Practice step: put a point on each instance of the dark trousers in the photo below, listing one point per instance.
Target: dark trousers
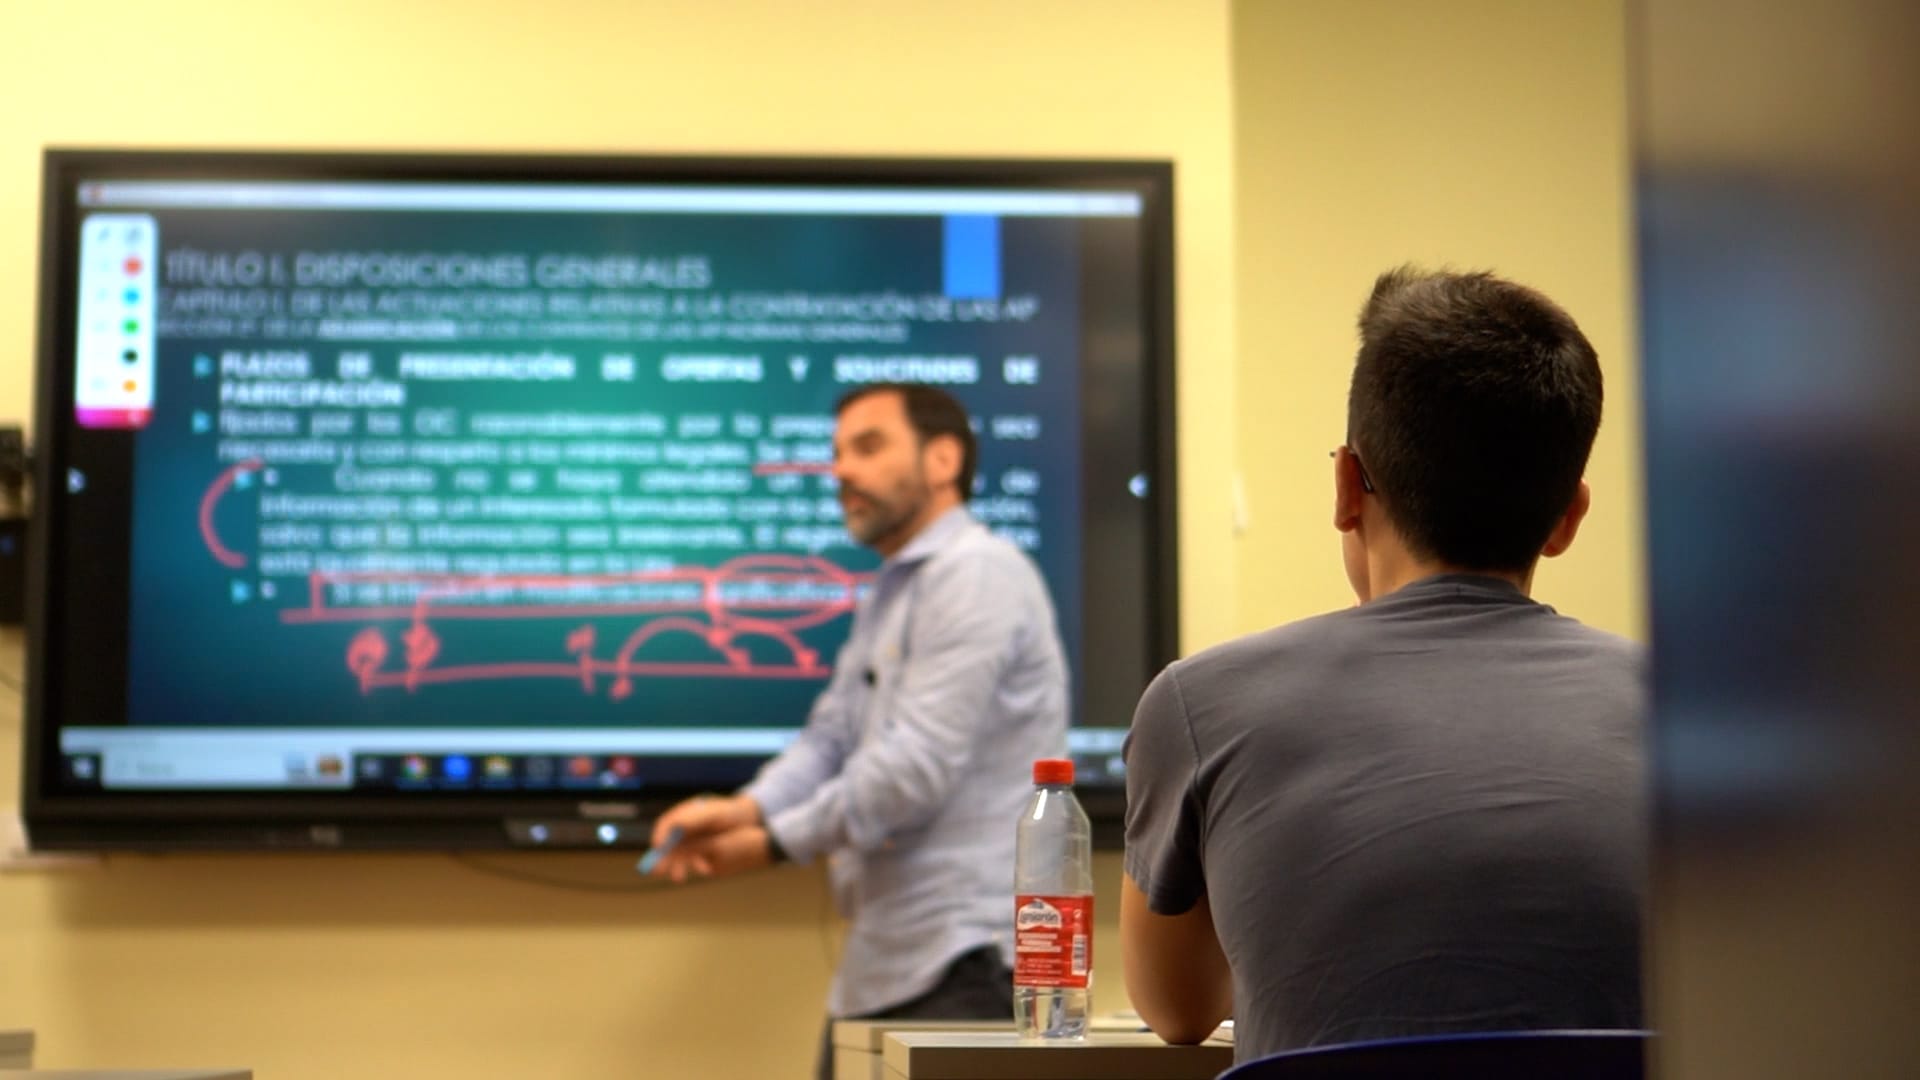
(976, 986)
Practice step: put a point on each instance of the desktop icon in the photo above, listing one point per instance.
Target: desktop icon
(456, 767)
(414, 767)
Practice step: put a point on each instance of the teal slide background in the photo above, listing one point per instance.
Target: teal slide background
(199, 657)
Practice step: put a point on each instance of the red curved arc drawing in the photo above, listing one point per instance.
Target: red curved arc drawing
(710, 598)
(833, 570)
(580, 642)
(803, 656)
(365, 655)
(422, 646)
(623, 660)
(657, 627)
(739, 566)
(818, 614)
(718, 621)
(221, 553)
(773, 560)
(570, 670)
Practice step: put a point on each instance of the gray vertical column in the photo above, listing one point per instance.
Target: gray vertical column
(1778, 169)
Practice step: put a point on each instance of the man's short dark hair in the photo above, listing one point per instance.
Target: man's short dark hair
(1473, 408)
(932, 412)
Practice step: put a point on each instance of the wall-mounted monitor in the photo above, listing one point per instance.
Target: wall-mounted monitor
(409, 500)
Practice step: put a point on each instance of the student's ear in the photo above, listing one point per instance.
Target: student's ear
(1564, 531)
(1349, 490)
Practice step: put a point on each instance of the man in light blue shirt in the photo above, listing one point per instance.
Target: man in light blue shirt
(916, 760)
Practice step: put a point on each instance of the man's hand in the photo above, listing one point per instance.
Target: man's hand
(718, 836)
(706, 815)
(717, 855)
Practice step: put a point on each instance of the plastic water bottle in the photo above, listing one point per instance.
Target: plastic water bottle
(1052, 909)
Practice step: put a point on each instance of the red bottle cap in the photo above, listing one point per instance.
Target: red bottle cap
(1053, 771)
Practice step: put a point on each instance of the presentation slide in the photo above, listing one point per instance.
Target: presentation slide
(541, 467)
(519, 485)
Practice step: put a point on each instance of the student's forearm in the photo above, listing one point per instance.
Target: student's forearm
(1176, 975)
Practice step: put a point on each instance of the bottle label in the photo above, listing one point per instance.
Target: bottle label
(1052, 941)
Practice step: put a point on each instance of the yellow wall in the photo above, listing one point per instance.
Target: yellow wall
(322, 967)
(1473, 133)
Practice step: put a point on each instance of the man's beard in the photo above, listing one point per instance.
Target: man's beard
(883, 517)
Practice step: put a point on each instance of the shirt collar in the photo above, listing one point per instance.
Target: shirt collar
(1458, 583)
(937, 534)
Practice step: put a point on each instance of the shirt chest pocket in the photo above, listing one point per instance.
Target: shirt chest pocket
(880, 687)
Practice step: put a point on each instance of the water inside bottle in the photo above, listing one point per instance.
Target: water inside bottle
(1050, 1013)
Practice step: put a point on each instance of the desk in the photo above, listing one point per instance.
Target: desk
(857, 1044)
(1001, 1055)
(16, 1048)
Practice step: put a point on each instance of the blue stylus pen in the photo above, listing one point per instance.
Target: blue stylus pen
(653, 856)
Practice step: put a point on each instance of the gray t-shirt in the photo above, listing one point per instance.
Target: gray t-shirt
(1421, 815)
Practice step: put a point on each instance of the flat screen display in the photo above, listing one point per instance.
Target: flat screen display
(401, 499)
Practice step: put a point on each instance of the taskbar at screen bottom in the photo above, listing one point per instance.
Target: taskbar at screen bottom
(471, 761)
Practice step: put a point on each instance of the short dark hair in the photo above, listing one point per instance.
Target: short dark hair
(932, 412)
(1473, 408)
